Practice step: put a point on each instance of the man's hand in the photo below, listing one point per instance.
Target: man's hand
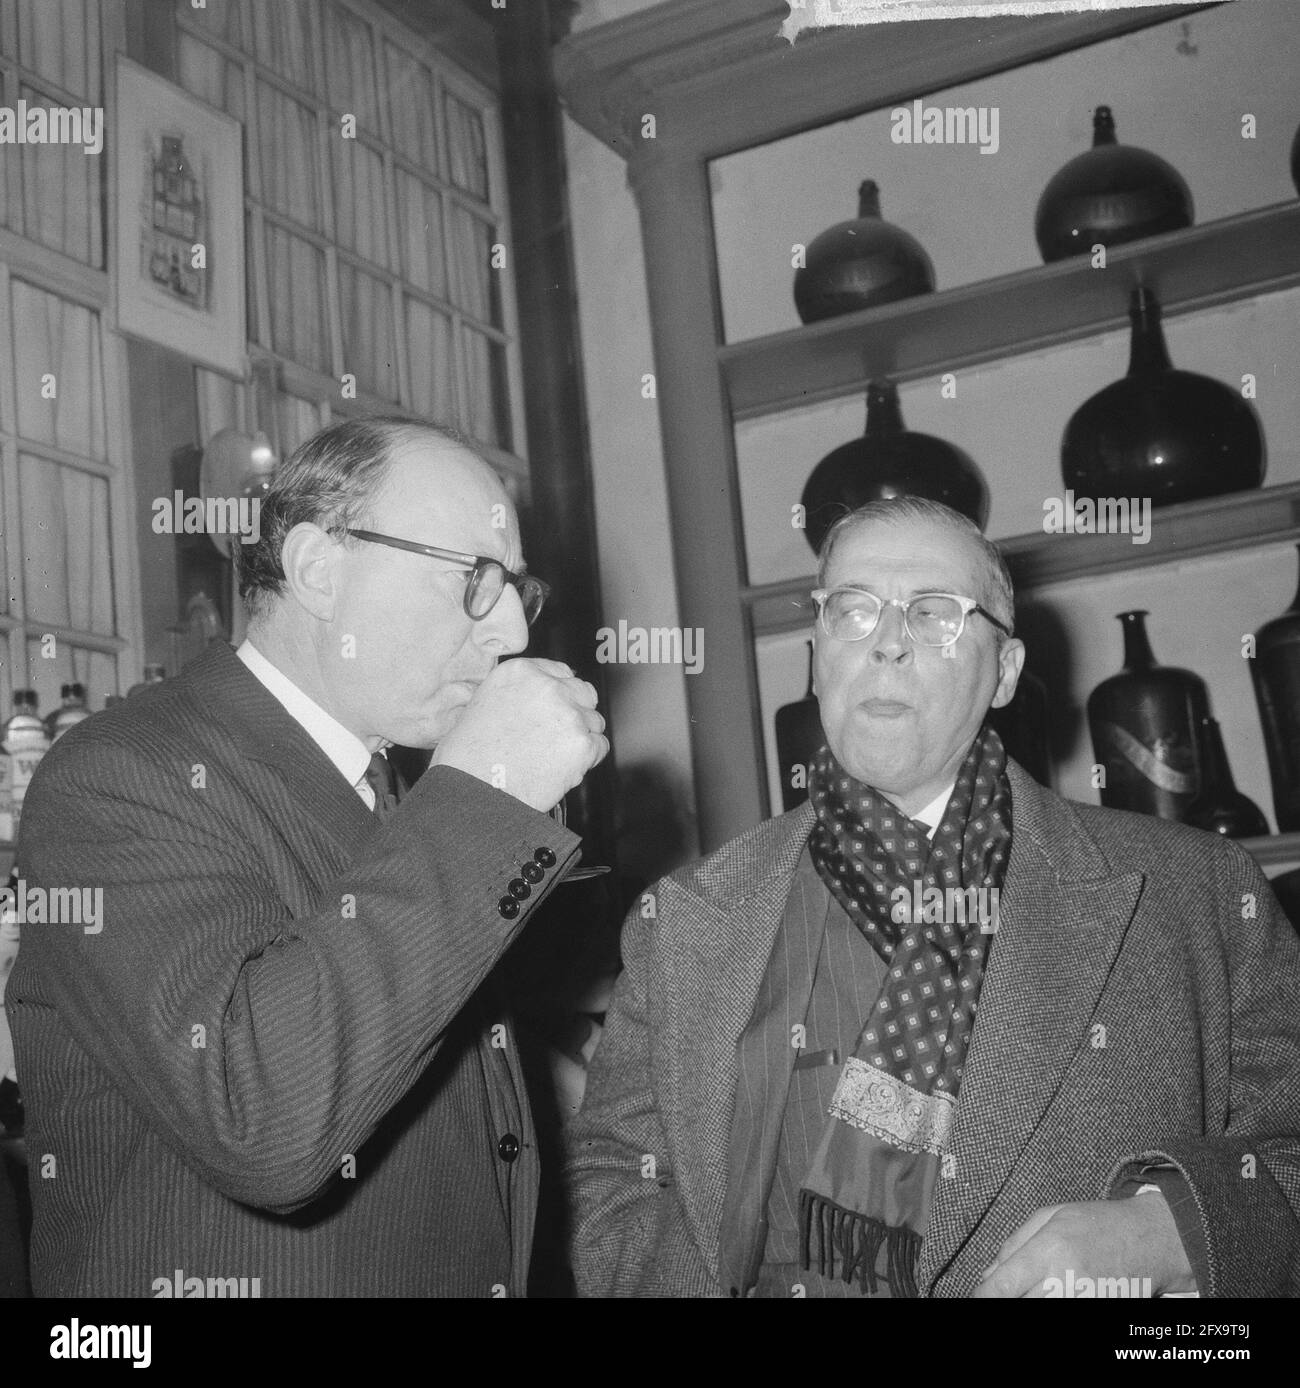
(1100, 1238)
(530, 729)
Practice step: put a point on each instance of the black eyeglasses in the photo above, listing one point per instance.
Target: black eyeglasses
(850, 613)
(487, 581)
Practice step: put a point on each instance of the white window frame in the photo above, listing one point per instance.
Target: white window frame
(72, 280)
(324, 389)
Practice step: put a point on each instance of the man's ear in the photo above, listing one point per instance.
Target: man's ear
(309, 558)
(1011, 661)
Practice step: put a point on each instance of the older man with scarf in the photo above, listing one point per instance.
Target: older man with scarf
(939, 1032)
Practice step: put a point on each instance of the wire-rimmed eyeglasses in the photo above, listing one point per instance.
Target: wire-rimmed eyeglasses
(850, 613)
(487, 580)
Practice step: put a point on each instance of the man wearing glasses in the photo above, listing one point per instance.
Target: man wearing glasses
(939, 1032)
(282, 1067)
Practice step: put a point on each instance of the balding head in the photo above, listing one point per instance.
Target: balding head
(330, 481)
(378, 634)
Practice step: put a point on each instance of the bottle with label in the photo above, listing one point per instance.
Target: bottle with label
(1145, 726)
(153, 674)
(71, 711)
(26, 743)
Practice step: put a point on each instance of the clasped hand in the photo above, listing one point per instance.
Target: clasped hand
(531, 729)
(1133, 1238)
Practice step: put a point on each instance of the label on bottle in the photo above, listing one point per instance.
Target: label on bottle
(24, 764)
(1147, 762)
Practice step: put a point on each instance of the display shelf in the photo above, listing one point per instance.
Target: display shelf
(1234, 258)
(727, 80)
(720, 81)
(1188, 531)
(1237, 520)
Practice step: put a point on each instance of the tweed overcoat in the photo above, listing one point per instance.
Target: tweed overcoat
(1141, 1004)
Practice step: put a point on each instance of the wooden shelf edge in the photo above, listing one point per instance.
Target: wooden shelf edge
(1192, 530)
(1253, 253)
(725, 79)
(1270, 850)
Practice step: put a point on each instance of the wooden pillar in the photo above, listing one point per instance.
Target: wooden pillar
(708, 544)
(560, 525)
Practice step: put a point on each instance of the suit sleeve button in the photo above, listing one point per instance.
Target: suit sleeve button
(508, 907)
(508, 1147)
(519, 889)
(530, 872)
(544, 857)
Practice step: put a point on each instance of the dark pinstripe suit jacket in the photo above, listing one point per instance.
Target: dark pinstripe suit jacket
(1142, 1003)
(272, 1060)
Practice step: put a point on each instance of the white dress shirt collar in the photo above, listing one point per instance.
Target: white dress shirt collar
(931, 814)
(345, 749)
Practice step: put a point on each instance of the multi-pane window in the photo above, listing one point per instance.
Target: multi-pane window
(61, 504)
(50, 57)
(375, 216)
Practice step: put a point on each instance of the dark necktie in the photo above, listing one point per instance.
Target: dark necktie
(382, 779)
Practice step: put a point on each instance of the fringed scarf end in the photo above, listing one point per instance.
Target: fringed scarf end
(851, 1242)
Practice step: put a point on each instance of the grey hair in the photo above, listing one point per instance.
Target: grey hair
(331, 481)
(996, 592)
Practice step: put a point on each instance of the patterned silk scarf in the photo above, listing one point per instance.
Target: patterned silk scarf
(929, 910)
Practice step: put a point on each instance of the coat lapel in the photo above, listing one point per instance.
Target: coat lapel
(265, 733)
(724, 916)
(1063, 915)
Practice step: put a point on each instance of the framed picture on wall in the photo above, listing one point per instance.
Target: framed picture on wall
(180, 222)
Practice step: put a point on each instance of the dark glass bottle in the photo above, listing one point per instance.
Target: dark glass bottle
(799, 737)
(1276, 674)
(1145, 724)
(1159, 432)
(889, 461)
(1286, 887)
(25, 743)
(1023, 727)
(11, 1107)
(860, 264)
(70, 712)
(1110, 194)
(1219, 807)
